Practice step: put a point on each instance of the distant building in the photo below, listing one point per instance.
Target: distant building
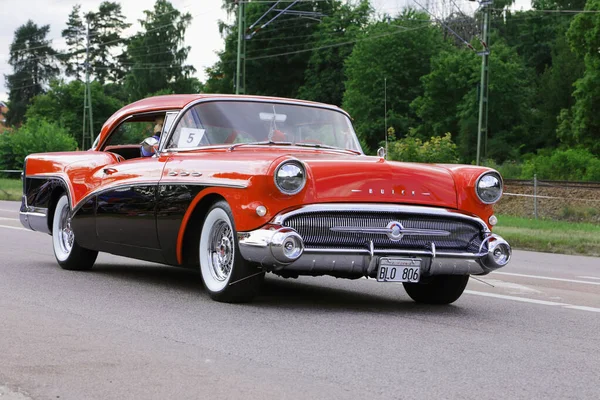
(3, 111)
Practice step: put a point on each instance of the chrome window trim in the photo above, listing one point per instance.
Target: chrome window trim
(280, 218)
(250, 100)
(127, 118)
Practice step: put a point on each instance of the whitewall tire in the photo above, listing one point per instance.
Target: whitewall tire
(226, 275)
(68, 253)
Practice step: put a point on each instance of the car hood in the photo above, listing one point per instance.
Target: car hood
(372, 179)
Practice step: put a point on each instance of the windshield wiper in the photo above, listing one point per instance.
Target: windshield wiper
(259, 143)
(325, 146)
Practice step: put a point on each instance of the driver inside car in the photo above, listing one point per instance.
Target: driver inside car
(158, 124)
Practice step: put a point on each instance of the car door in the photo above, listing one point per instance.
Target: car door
(126, 205)
(126, 200)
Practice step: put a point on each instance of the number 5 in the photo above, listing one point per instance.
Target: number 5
(190, 138)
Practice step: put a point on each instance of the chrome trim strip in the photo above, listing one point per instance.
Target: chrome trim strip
(308, 250)
(157, 183)
(280, 218)
(385, 231)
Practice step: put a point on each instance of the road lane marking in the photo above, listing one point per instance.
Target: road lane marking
(15, 227)
(545, 278)
(515, 298)
(12, 211)
(589, 277)
(10, 219)
(584, 308)
(533, 301)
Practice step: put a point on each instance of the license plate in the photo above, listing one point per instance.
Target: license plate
(399, 269)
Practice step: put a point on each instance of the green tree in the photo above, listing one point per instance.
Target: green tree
(34, 64)
(107, 60)
(157, 54)
(35, 136)
(397, 51)
(74, 35)
(450, 102)
(333, 39)
(63, 105)
(581, 125)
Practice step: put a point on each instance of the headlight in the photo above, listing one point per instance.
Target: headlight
(489, 187)
(290, 177)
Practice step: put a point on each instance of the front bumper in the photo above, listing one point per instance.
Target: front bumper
(281, 249)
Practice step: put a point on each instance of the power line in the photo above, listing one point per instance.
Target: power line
(334, 45)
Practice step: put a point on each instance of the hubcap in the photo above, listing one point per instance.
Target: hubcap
(65, 232)
(221, 250)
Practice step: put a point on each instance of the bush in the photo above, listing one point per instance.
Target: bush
(35, 136)
(568, 165)
(411, 148)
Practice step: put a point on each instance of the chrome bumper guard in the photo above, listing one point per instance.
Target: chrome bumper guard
(277, 248)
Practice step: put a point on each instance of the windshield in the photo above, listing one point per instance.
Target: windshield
(231, 122)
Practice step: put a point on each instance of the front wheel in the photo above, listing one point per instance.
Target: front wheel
(439, 289)
(226, 275)
(68, 253)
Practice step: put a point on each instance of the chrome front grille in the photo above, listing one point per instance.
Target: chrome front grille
(462, 235)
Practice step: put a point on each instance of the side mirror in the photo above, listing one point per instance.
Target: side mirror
(150, 145)
(381, 152)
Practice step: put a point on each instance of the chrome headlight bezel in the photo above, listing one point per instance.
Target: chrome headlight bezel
(295, 169)
(486, 199)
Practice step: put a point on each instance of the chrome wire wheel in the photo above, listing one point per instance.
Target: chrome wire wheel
(222, 251)
(66, 236)
(217, 250)
(67, 251)
(226, 275)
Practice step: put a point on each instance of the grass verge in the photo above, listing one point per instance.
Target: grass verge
(550, 236)
(10, 189)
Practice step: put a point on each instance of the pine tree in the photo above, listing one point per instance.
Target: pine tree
(75, 36)
(34, 64)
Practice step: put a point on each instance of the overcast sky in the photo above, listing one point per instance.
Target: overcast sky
(203, 34)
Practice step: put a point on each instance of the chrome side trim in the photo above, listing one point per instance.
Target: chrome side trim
(386, 231)
(125, 186)
(279, 219)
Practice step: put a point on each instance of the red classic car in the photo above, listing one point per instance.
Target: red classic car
(240, 186)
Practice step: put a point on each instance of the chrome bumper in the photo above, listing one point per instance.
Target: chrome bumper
(34, 218)
(267, 247)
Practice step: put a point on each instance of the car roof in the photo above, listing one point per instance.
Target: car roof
(177, 102)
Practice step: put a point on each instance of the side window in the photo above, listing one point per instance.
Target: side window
(132, 133)
(189, 132)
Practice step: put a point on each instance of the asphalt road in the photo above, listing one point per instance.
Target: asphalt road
(136, 330)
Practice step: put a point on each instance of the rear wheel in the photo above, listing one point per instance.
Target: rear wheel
(68, 253)
(226, 275)
(439, 289)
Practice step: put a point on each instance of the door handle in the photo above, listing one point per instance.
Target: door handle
(109, 171)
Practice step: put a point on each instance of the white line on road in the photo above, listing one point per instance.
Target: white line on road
(10, 219)
(12, 211)
(546, 278)
(533, 301)
(15, 227)
(589, 277)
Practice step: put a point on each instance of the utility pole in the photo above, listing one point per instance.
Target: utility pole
(240, 72)
(482, 126)
(87, 96)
